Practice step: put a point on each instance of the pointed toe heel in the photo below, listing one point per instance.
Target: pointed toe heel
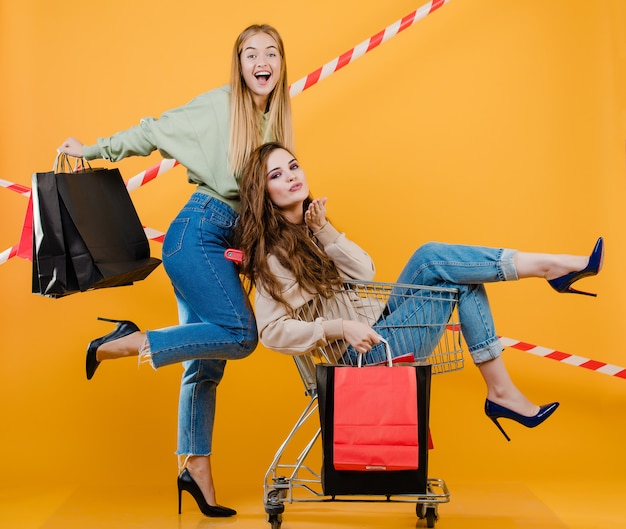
(495, 411)
(122, 328)
(186, 482)
(564, 283)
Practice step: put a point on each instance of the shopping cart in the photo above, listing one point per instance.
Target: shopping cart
(432, 339)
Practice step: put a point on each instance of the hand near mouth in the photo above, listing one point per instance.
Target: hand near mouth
(315, 215)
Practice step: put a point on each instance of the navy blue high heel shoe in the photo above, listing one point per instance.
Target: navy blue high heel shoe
(495, 411)
(123, 328)
(564, 283)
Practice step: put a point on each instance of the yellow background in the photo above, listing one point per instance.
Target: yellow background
(497, 123)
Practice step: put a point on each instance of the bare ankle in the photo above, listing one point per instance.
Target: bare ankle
(122, 347)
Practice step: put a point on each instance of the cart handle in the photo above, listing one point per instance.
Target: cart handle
(234, 255)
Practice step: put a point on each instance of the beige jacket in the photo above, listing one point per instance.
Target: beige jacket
(280, 332)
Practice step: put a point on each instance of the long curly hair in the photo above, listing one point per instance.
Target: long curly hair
(263, 230)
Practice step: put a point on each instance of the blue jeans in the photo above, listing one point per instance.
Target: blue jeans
(216, 322)
(465, 268)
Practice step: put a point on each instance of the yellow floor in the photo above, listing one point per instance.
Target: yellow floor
(482, 505)
(568, 474)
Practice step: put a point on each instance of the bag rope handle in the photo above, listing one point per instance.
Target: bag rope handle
(359, 360)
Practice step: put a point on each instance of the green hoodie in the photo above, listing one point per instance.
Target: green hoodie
(196, 135)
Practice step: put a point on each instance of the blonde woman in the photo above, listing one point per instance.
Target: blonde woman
(212, 136)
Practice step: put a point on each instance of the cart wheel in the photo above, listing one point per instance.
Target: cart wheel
(275, 520)
(420, 510)
(431, 517)
(274, 504)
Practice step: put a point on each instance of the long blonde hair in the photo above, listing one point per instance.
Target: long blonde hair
(245, 123)
(263, 229)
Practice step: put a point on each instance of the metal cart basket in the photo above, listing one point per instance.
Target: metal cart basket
(421, 325)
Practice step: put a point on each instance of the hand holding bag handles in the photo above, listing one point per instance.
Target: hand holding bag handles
(86, 232)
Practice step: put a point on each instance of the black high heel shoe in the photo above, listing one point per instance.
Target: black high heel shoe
(123, 328)
(186, 482)
(564, 283)
(495, 411)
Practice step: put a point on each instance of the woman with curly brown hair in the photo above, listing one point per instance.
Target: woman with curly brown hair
(292, 253)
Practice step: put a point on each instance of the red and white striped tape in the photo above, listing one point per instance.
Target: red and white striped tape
(367, 45)
(133, 183)
(150, 174)
(566, 358)
(7, 254)
(154, 235)
(12, 186)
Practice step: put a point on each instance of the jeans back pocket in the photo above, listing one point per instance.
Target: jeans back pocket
(173, 241)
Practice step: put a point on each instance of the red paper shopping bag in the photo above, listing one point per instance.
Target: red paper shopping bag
(375, 418)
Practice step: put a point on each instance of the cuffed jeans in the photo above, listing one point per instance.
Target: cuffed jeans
(465, 268)
(216, 322)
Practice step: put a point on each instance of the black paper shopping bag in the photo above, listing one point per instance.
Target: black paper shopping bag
(375, 482)
(86, 233)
